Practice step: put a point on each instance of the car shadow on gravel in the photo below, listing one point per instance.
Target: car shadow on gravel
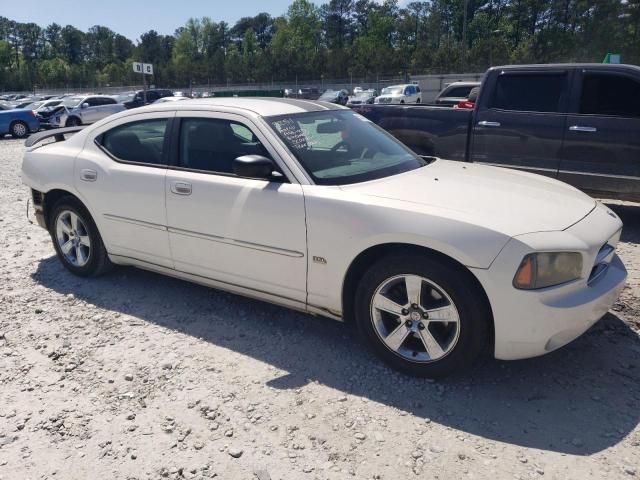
(579, 400)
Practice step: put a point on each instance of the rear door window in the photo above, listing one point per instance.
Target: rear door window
(530, 92)
(458, 92)
(612, 95)
(139, 142)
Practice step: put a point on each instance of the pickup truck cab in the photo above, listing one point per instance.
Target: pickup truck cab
(579, 123)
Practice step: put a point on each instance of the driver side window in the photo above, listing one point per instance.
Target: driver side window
(211, 145)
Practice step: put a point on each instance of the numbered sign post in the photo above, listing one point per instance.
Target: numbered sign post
(144, 69)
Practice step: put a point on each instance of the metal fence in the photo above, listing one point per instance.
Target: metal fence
(429, 84)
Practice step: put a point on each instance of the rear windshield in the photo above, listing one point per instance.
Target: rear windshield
(340, 147)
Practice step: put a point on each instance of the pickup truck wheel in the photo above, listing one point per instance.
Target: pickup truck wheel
(421, 315)
(76, 239)
(73, 122)
(19, 129)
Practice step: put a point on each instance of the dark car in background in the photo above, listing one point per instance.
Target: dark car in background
(152, 95)
(455, 93)
(304, 93)
(338, 97)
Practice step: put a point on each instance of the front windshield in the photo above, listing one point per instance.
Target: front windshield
(72, 102)
(392, 90)
(338, 147)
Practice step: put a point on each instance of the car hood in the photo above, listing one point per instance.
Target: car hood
(505, 200)
(391, 95)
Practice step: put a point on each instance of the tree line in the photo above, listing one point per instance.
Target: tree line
(336, 40)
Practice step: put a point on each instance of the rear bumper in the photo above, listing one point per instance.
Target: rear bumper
(529, 323)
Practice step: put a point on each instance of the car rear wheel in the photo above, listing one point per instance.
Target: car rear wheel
(422, 315)
(19, 129)
(76, 239)
(73, 122)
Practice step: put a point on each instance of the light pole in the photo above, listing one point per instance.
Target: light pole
(464, 36)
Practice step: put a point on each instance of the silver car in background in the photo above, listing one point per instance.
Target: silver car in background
(83, 110)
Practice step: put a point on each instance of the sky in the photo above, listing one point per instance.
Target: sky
(133, 17)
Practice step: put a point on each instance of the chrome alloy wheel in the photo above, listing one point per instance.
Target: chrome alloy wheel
(73, 238)
(415, 318)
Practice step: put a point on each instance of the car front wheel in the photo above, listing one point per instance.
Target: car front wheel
(76, 239)
(73, 122)
(422, 315)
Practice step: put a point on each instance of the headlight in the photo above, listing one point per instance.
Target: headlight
(540, 270)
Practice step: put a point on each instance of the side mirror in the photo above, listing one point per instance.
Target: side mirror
(254, 166)
(84, 105)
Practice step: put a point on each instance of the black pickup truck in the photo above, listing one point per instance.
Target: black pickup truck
(579, 123)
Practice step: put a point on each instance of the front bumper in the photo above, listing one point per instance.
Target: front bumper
(529, 323)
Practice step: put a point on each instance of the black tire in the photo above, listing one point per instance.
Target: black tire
(19, 129)
(418, 101)
(471, 304)
(401, 102)
(98, 261)
(73, 122)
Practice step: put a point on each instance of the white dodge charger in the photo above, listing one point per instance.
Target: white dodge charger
(311, 206)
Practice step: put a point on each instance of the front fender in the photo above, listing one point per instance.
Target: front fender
(338, 230)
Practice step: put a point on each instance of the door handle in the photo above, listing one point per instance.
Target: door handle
(181, 188)
(484, 123)
(578, 128)
(88, 175)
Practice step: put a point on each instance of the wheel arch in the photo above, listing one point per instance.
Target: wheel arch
(73, 117)
(19, 120)
(375, 253)
(50, 199)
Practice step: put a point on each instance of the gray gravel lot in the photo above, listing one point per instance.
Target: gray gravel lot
(138, 376)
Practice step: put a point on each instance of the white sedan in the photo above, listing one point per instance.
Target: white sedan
(311, 206)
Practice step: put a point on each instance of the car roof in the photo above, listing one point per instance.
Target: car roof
(263, 107)
(551, 66)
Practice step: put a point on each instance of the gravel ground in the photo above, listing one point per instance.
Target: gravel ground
(138, 376)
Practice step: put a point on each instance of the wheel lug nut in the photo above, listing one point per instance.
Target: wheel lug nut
(405, 311)
(414, 306)
(421, 326)
(425, 315)
(409, 323)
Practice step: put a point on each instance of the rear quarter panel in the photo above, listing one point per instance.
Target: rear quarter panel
(49, 167)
